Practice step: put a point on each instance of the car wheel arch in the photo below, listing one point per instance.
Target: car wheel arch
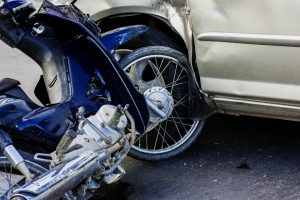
(153, 21)
(156, 22)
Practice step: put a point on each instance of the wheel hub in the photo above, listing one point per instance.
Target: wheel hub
(164, 101)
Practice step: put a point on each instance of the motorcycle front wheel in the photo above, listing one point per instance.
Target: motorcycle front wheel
(162, 67)
(11, 178)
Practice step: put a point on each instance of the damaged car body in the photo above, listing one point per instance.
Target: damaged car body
(244, 54)
(229, 49)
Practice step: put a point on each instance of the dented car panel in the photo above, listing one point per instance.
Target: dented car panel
(247, 52)
(172, 12)
(246, 47)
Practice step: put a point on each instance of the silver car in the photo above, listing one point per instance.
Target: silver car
(244, 57)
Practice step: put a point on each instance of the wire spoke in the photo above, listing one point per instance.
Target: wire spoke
(177, 79)
(162, 61)
(161, 73)
(162, 145)
(176, 127)
(168, 134)
(174, 79)
(153, 67)
(180, 75)
(140, 142)
(177, 84)
(139, 139)
(172, 83)
(156, 62)
(182, 124)
(163, 137)
(179, 119)
(182, 104)
(157, 135)
(10, 173)
(7, 177)
(147, 141)
(181, 101)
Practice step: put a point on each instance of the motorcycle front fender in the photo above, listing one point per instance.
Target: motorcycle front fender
(112, 40)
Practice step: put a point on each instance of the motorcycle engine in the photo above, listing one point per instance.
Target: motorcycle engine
(84, 156)
(94, 134)
(106, 126)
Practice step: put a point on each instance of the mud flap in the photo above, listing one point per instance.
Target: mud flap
(200, 105)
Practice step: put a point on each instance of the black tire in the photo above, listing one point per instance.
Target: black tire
(169, 73)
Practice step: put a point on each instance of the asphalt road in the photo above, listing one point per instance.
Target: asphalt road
(234, 158)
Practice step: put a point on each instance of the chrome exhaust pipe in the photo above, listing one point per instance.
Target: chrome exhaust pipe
(11, 153)
(61, 179)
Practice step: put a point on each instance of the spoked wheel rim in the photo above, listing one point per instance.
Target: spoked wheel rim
(11, 179)
(169, 73)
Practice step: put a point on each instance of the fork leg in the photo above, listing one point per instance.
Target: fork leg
(11, 153)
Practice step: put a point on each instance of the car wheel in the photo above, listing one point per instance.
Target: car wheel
(162, 69)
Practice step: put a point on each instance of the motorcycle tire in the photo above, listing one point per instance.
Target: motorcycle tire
(179, 131)
(152, 37)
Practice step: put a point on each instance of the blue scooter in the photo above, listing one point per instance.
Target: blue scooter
(80, 75)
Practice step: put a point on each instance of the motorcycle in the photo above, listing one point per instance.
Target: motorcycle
(91, 113)
(163, 75)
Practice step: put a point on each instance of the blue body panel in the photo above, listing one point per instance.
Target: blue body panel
(84, 57)
(112, 40)
(13, 3)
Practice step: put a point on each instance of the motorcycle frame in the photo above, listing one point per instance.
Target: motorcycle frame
(82, 55)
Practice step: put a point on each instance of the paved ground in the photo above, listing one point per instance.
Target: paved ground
(235, 157)
(14, 64)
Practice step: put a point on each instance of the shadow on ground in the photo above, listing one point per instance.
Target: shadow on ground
(234, 158)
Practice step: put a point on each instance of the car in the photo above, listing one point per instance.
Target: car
(244, 57)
